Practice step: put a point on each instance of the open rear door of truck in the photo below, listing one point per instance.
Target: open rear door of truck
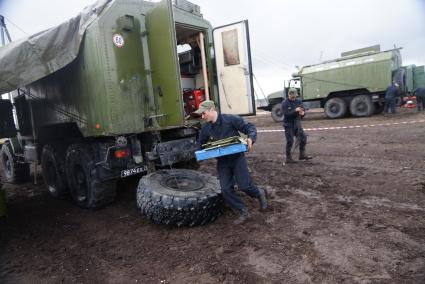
(234, 69)
(164, 64)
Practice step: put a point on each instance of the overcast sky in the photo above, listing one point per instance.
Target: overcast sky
(284, 33)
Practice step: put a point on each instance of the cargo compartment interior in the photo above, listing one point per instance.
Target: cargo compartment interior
(192, 68)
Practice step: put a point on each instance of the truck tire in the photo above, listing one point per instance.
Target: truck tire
(86, 189)
(277, 113)
(378, 108)
(179, 197)
(13, 171)
(335, 108)
(53, 170)
(192, 164)
(361, 106)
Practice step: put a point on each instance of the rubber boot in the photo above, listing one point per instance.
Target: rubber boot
(289, 159)
(262, 198)
(303, 156)
(243, 217)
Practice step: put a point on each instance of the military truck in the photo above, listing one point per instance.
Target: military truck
(100, 98)
(354, 84)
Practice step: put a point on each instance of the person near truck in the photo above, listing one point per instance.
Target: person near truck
(391, 94)
(293, 111)
(231, 168)
(420, 98)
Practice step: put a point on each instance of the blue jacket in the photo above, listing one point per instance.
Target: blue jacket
(420, 92)
(227, 125)
(391, 92)
(288, 108)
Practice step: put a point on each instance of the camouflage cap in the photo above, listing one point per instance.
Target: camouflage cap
(292, 91)
(205, 105)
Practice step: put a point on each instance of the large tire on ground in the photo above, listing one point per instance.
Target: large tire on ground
(13, 171)
(180, 197)
(53, 170)
(192, 164)
(86, 189)
(335, 108)
(277, 113)
(361, 105)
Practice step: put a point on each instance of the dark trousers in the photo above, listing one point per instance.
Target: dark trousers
(389, 105)
(234, 170)
(420, 102)
(291, 130)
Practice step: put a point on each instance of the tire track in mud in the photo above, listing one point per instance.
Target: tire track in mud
(370, 202)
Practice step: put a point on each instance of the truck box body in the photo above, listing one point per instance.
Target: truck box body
(373, 73)
(106, 88)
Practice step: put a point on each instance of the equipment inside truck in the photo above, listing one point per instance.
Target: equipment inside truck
(193, 67)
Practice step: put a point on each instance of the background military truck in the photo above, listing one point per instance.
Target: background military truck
(353, 84)
(100, 98)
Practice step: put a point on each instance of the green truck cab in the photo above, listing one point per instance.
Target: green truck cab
(353, 84)
(100, 98)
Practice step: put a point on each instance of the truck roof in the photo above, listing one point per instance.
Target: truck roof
(356, 59)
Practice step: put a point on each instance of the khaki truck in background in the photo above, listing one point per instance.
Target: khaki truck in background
(100, 98)
(353, 84)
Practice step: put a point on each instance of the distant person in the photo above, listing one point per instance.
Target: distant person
(231, 168)
(420, 98)
(391, 95)
(293, 111)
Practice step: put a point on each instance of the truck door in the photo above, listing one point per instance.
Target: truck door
(234, 69)
(164, 64)
(7, 126)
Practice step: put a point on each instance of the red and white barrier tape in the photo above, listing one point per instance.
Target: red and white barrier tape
(345, 127)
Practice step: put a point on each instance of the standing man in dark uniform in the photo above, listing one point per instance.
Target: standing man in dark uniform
(232, 168)
(293, 111)
(420, 98)
(391, 94)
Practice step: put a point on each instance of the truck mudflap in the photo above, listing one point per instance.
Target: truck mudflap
(175, 151)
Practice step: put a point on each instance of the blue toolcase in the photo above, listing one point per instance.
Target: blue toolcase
(220, 151)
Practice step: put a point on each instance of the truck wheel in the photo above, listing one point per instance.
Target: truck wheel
(335, 108)
(378, 108)
(361, 106)
(14, 172)
(179, 197)
(192, 164)
(277, 113)
(86, 190)
(53, 170)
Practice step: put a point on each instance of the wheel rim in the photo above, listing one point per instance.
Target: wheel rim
(182, 183)
(335, 108)
(361, 107)
(80, 188)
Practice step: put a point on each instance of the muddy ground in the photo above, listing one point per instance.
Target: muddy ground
(354, 214)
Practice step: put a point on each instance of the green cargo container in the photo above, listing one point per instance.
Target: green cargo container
(356, 82)
(418, 77)
(104, 96)
(353, 84)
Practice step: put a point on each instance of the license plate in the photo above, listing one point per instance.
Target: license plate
(133, 171)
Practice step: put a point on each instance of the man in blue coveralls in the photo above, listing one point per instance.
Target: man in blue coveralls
(391, 94)
(231, 168)
(293, 111)
(420, 98)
